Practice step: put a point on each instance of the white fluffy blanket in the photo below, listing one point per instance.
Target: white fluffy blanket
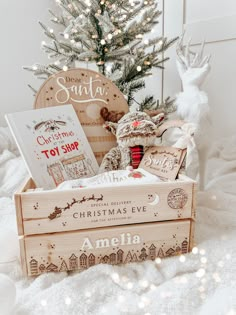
(205, 283)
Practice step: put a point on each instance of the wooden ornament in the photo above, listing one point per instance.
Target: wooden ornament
(163, 161)
(88, 91)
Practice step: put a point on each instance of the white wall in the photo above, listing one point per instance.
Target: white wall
(21, 37)
(215, 21)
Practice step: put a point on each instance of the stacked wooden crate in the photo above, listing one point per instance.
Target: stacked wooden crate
(78, 228)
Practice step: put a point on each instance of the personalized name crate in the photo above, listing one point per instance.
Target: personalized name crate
(78, 228)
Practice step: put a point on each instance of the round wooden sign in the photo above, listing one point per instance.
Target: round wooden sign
(88, 91)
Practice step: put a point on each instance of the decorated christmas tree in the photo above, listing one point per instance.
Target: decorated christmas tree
(112, 35)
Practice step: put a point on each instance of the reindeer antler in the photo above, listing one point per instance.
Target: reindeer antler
(188, 58)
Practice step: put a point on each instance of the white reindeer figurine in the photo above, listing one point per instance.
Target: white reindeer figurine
(192, 103)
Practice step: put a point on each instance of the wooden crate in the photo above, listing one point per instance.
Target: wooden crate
(77, 228)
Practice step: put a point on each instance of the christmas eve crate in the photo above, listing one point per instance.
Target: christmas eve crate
(78, 228)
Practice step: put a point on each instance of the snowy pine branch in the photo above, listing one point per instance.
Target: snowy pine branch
(110, 34)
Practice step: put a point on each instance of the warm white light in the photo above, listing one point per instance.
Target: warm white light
(43, 43)
(200, 273)
(67, 301)
(158, 261)
(139, 68)
(182, 258)
(35, 68)
(195, 250)
(202, 252)
(66, 36)
(141, 305)
(43, 302)
(72, 41)
(115, 277)
(109, 36)
(103, 42)
(87, 294)
(130, 285)
(51, 31)
(65, 68)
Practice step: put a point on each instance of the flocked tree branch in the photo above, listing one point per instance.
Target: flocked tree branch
(110, 34)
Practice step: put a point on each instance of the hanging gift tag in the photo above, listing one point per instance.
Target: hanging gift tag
(164, 162)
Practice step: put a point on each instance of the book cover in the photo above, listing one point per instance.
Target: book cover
(53, 145)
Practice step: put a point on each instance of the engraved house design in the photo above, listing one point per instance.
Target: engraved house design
(113, 259)
(178, 250)
(91, 260)
(184, 247)
(170, 252)
(128, 258)
(135, 258)
(105, 259)
(83, 261)
(34, 267)
(73, 261)
(160, 253)
(152, 252)
(42, 268)
(52, 267)
(63, 266)
(143, 255)
(120, 254)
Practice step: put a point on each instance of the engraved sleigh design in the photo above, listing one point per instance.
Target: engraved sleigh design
(58, 210)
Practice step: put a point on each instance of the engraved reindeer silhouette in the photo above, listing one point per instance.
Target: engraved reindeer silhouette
(74, 201)
(82, 200)
(67, 207)
(100, 199)
(92, 197)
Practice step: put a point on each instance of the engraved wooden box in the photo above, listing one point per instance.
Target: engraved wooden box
(78, 228)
